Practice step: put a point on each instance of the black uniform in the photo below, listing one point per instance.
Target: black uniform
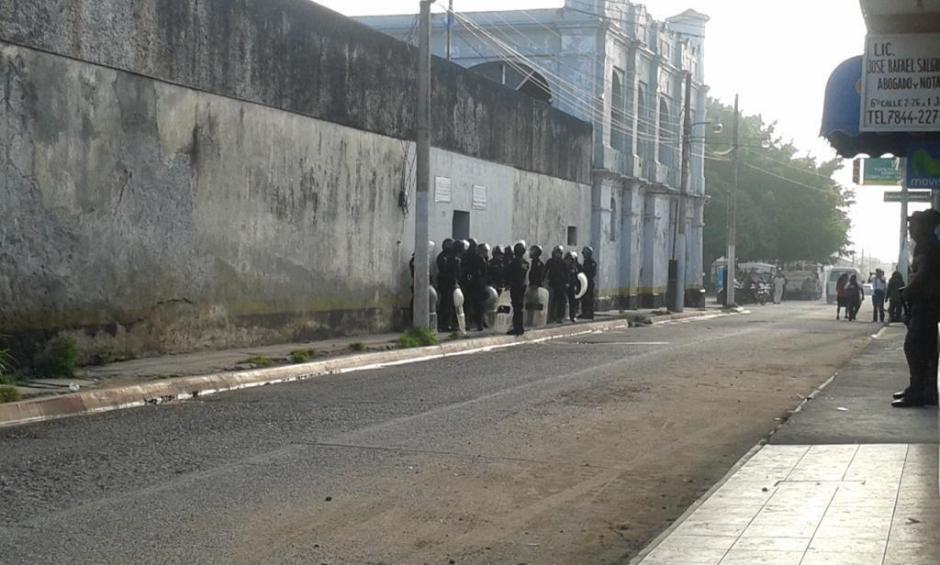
(495, 270)
(920, 344)
(557, 277)
(587, 301)
(573, 269)
(473, 268)
(515, 279)
(448, 275)
(536, 272)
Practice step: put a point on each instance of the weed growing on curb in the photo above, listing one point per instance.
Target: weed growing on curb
(302, 355)
(258, 361)
(358, 346)
(9, 394)
(61, 358)
(417, 338)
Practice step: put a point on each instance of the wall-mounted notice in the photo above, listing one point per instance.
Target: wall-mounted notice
(901, 83)
(442, 189)
(479, 197)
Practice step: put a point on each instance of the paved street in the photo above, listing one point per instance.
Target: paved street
(573, 451)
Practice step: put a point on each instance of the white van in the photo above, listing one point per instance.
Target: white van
(832, 277)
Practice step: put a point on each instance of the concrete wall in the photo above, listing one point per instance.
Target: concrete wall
(145, 217)
(298, 56)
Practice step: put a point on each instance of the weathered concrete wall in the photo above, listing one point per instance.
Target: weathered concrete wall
(298, 56)
(145, 217)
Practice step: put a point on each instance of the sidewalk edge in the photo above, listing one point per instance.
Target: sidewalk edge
(184, 388)
(764, 441)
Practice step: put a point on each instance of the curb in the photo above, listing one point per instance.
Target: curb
(184, 388)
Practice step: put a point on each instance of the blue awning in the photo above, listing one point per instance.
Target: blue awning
(841, 115)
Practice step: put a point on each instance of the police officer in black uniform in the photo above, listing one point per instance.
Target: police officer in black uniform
(922, 294)
(556, 273)
(496, 268)
(573, 269)
(589, 268)
(516, 272)
(448, 277)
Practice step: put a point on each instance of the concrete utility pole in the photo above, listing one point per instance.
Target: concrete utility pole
(732, 211)
(450, 24)
(679, 247)
(422, 303)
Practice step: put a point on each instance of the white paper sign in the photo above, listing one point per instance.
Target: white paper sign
(479, 197)
(901, 83)
(442, 189)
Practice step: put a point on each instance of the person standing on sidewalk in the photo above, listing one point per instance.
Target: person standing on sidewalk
(556, 273)
(922, 293)
(590, 271)
(879, 287)
(516, 273)
(840, 295)
(853, 298)
(780, 283)
(896, 305)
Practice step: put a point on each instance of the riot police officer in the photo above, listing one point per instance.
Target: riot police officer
(448, 278)
(589, 268)
(496, 268)
(516, 278)
(537, 267)
(556, 273)
(573, 268)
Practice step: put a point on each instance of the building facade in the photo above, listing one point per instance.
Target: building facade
(612, 64)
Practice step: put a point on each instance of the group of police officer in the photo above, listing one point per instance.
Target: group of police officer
(481, 273)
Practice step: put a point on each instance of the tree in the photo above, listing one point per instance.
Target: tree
(788, 207)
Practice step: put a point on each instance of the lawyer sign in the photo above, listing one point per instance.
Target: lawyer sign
(901, 83)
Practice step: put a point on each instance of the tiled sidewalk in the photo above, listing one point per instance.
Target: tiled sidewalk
(832, 504)
(848, 480)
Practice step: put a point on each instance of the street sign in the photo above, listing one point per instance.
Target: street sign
(901, 83)
(876, 172)
(923, 165)
(912, 196)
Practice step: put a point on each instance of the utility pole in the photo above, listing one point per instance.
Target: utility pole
(732, 211)
(450, 24)
(422, 303)
(679, 246)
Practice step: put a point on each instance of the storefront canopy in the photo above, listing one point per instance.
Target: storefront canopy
(841, 114)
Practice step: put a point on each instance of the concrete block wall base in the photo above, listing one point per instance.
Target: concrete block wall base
(184, 388)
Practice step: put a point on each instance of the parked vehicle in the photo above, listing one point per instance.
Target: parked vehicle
(804, 280)
(832, 276)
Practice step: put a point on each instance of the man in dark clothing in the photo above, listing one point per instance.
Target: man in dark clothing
(895, 284)
(473, 268)
(879, 286)
(574, 269)
(589, 268)
(516, 273)
(537, 267)
(448, 277)
(556, 273)
(922, 293)
(496, 268)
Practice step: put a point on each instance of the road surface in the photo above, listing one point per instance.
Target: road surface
(573, 451)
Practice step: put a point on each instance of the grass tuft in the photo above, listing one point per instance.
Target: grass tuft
(417, 338)
(258, 361)
(302, 355)
(358, 346)
(9, 394)
(60, 359)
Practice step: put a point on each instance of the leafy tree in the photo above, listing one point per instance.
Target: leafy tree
(788, 207)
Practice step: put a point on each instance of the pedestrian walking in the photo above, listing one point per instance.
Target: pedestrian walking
(780, 283)
(922, 294)
(879, 290)
(840, 294)
(853, 298)
(896, 303)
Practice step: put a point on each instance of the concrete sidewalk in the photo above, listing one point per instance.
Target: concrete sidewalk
(847, 480)
(179, 377)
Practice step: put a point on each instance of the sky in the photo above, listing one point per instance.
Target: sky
(776, 54)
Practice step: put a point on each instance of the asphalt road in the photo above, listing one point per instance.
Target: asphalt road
(573, 451)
